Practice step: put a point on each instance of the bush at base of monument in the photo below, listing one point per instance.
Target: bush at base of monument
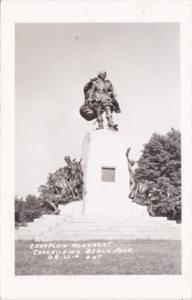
(28, 210)
(160, 165)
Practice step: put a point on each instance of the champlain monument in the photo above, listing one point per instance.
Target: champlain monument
(106, 181)
(105, 210)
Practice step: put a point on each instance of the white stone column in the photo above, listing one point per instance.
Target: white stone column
(104, 149)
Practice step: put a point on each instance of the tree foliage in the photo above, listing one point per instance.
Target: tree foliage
(160, 166)
(27, 210)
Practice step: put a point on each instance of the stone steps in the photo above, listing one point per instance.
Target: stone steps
(67, 228)
(107, 220)
(103, 236)
(87, 227)
(90, 229)
(126, 236)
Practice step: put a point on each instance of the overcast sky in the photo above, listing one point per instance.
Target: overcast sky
(55, 61)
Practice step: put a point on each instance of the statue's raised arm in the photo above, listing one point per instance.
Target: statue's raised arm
(100, 98)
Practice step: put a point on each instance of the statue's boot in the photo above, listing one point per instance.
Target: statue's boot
(100, 124)
(57, 212)
(111, 124)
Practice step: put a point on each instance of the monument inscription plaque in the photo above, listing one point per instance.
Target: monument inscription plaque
(108, 174)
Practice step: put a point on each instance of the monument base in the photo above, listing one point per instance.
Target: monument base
(129, 209)
(106, 212)
(106, 178)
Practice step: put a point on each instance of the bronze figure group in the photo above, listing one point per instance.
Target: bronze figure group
(65, 185)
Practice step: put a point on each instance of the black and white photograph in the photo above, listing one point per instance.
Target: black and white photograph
(98, 149)
(99, 159)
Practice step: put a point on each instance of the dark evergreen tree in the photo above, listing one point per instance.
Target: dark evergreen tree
(160, 166)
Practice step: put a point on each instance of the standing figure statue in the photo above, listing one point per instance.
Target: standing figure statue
(100, 98)
(140, 191)
(132, 181)
(74, 177)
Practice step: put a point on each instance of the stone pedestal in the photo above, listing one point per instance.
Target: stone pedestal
(106, 177)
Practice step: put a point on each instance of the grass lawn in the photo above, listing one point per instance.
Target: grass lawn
(98, 257)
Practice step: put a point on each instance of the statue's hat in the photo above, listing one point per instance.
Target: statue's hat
(101, 73)
(67, 157)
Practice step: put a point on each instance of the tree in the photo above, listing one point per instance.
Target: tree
(19, 204)
(32, 202)
(27, 210)
(160, 167)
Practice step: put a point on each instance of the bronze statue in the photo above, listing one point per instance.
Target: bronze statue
(137, 189)
(74, 177)
(50, 198)
(100, 98)
(63, 186)
(140, 191)
(132, 181)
